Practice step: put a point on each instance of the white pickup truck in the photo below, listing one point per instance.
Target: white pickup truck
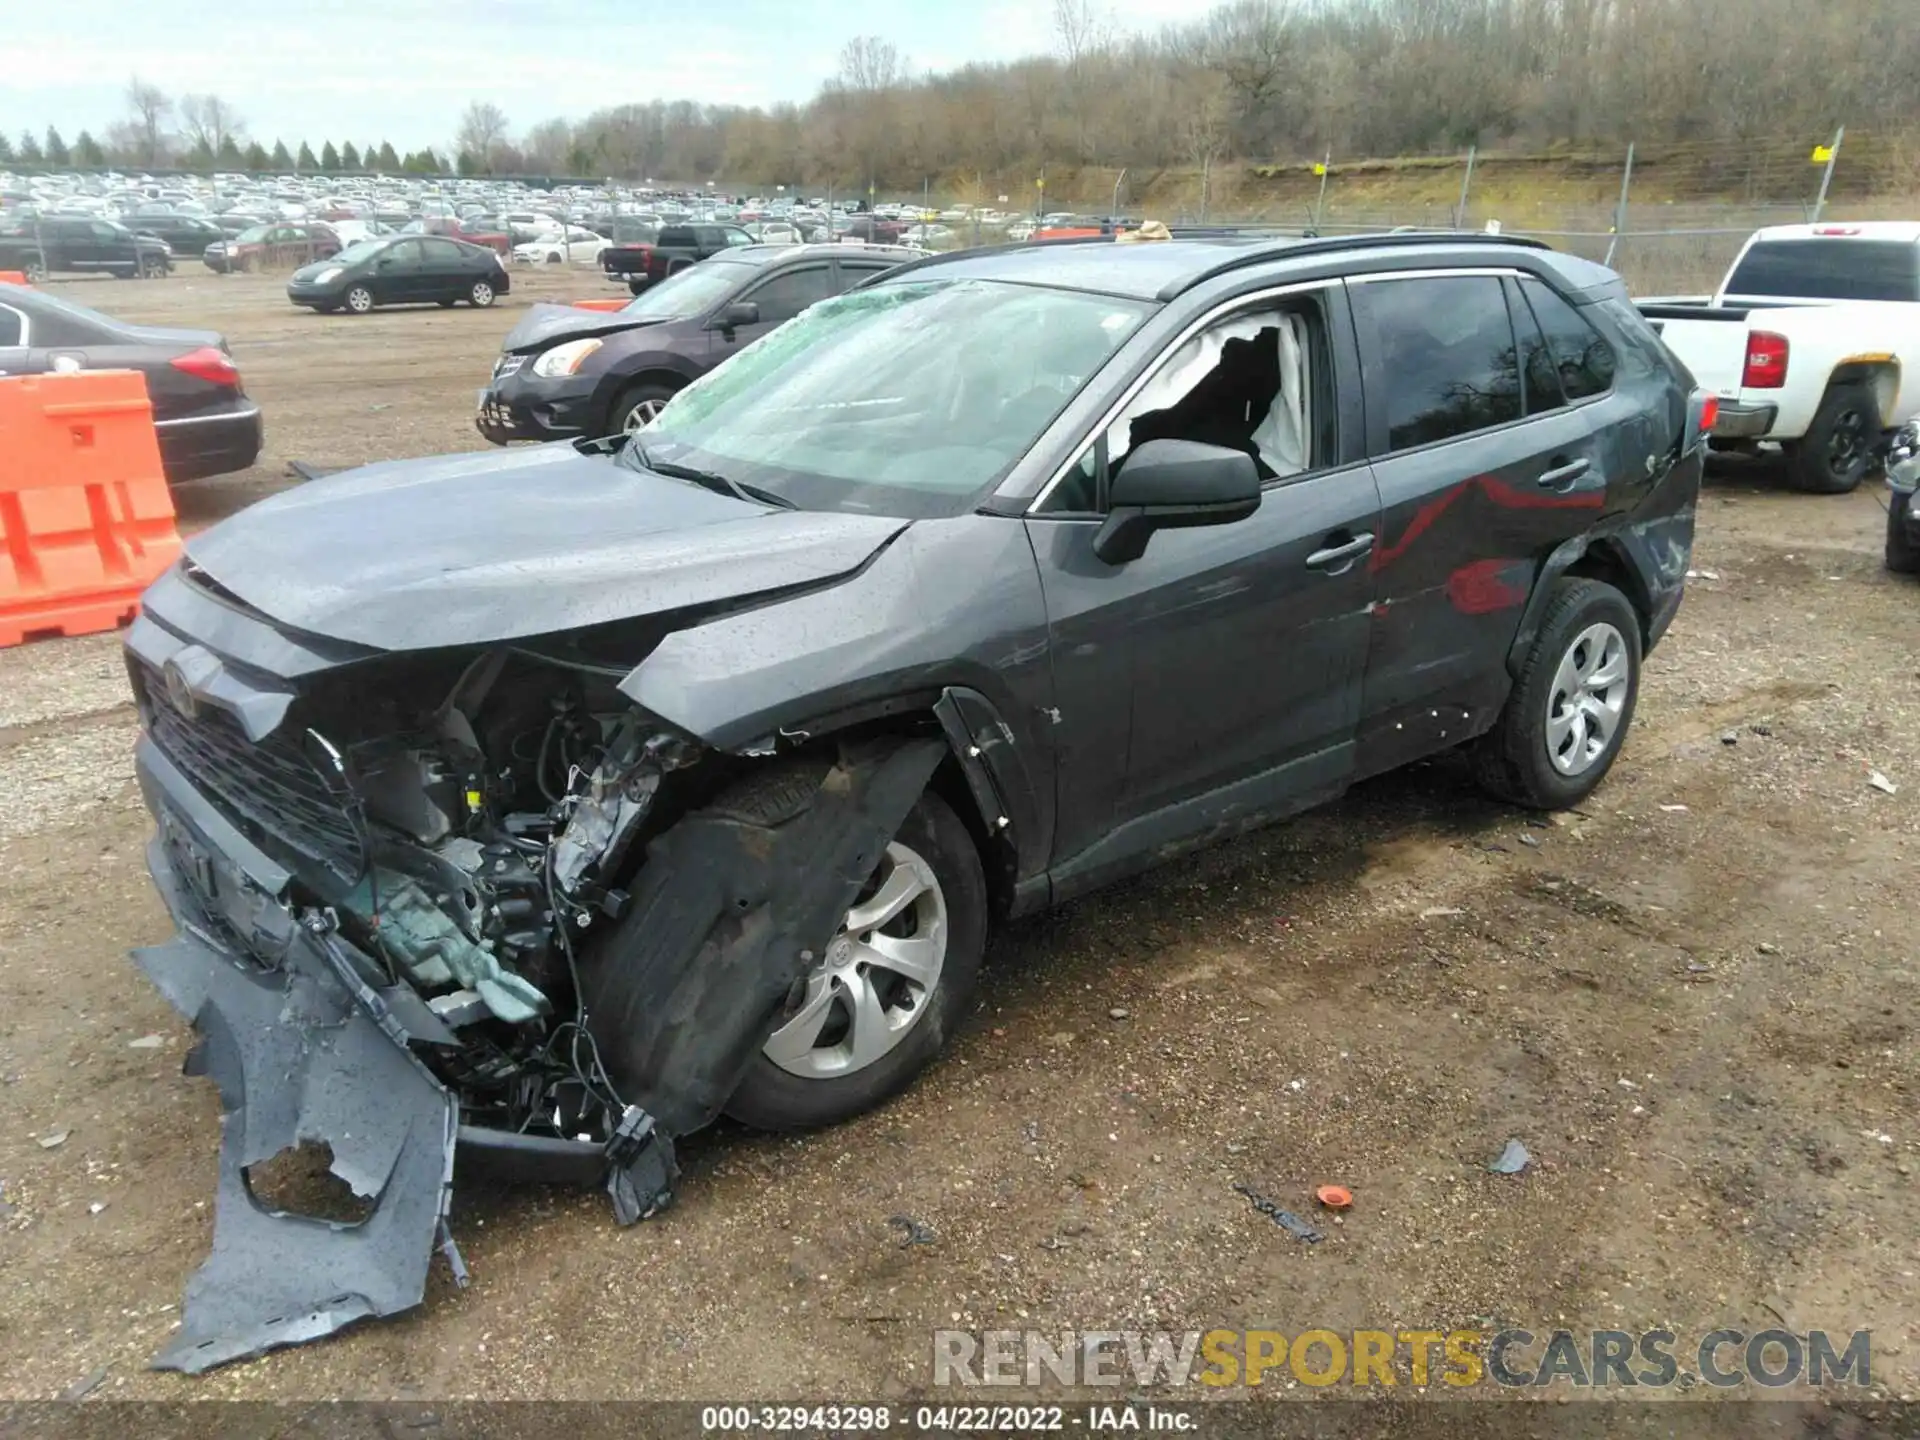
(1812, 343)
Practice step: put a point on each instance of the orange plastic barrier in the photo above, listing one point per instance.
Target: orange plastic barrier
(604, 302)
(86, 522)
(13, 277)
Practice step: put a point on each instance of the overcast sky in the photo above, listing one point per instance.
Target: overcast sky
(402, 70)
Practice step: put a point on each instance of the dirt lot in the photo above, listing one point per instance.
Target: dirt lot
(1693, 1001)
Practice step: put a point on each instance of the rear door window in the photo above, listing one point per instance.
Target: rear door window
(1830, 269)
(12, 326)
(1581, 354)
(1540, 383)
(1448, 363)
(442, 252)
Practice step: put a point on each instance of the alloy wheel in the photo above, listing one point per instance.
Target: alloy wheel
(876, 978)
(641, 416)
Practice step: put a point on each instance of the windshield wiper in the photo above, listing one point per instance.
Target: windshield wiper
(714, 480)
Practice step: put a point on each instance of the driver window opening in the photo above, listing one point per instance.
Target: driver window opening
(1255, 383)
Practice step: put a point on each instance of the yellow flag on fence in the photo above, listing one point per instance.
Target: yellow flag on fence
(1318, 168)
(1822, 154)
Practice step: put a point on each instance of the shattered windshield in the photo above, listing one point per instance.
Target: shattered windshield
(897, 400)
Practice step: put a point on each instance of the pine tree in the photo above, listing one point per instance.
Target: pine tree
(388, 161)
(256, 157)
(304, 161)
(57, 152)
(431, 164)
(30, 152)
(6, 150)
(329, 158)
(349, 157)
(280, 160)
(87, 151)
(230, 155)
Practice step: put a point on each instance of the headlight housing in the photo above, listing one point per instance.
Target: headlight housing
(330, 274)
(564, 359)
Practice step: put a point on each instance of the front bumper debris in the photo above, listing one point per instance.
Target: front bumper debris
(299, 1057)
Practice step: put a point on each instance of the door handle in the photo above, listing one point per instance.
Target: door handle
(1340, 555)
(1565, 474)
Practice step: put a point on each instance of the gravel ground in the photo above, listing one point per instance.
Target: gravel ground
(1692, 1000)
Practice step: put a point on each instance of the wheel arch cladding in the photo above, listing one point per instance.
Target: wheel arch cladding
(1606, 558)
(724, 920)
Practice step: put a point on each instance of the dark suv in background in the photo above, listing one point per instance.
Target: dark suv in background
(565, 372)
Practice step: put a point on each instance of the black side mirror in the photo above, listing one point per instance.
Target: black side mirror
(1174, 484)
(740, 312)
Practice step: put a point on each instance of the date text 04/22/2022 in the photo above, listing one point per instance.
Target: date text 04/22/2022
(945, 1419)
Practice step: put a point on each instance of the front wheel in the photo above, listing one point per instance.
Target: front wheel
(891, 985)
(481, 295)
(1833, 456)
(637, 406)
(359, 300)
(1568, 713)
(36, 272)
(152, 267)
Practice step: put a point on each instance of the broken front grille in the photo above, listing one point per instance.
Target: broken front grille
(271, 790)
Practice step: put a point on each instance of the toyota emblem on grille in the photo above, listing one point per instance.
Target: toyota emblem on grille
(179, 693)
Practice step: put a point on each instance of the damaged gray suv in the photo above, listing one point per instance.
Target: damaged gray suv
(538, 808)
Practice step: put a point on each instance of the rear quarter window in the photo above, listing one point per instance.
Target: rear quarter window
(1837, 268)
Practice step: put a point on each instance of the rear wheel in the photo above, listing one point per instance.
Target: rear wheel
(1833, 456)
(481, 295)
(36, 272)
(152, 267)
(1570, 709)
(359, 299)
(637, 406)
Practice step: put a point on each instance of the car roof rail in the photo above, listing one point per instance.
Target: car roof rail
(1334, 244)
(1286, 248)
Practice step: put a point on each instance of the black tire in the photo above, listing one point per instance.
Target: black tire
(1511, 761)
(36, 272)
(1834, 455)
(480, 294)
(153, 268)
(362, 306)
(771, 1098)
(619, 415)
(1903, 556)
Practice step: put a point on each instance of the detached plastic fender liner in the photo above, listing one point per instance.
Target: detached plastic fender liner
(731, 908)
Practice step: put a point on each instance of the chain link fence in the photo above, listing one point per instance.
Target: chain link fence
(1670, 217)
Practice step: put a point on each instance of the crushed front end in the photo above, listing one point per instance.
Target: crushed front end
(382, 869)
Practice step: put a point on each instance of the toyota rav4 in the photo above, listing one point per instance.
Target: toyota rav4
(542, 806)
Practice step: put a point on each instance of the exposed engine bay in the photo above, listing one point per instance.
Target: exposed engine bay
(496, 833)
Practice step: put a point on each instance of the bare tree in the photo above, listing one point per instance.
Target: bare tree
(149, 106)
(548, 145)
(210, 122)
(483, 130)
(1085, 37)
(870, 65)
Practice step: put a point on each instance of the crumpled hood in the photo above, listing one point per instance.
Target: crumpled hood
(474, 549)
(544, 325)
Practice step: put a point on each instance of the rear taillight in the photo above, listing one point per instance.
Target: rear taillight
(1766, 361)
(1709, 413)
(209, 364)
